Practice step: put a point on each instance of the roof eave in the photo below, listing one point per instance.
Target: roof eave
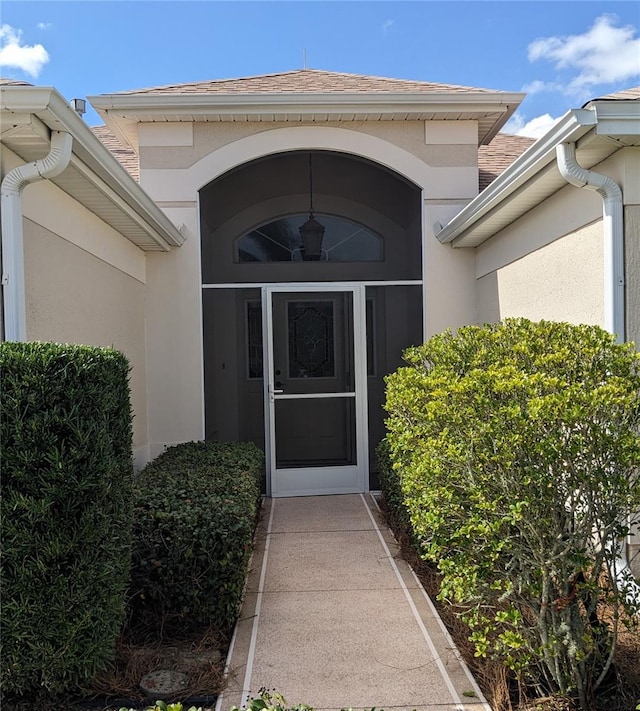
(571, 127)
(101, 167)
(122, 111)
(259, 102)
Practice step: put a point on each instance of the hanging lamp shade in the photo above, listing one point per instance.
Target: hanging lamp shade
(312, 232)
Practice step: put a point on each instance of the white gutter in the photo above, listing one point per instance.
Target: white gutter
(574, 124)
(613, 229)
(101, 167)
(13, 282)
(385, 102)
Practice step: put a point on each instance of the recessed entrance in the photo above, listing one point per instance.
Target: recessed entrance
(296, 348)
(315, 394)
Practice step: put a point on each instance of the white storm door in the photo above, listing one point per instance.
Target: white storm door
(315, 389)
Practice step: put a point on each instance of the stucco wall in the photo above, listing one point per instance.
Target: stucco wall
(441, 143)
(85, 283)
(550, 262)
(177, 160)
(562, 281)
(632, 269)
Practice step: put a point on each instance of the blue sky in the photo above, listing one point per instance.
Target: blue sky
(560, 53)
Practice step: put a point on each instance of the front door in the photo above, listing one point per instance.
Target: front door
(315, 389)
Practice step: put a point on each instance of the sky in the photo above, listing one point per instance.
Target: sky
(560, 53)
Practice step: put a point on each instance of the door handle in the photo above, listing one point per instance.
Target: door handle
(273, 392)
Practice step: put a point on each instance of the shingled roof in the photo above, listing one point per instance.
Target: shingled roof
(13, 82)
(632, 93)
(307, 81)
(498, 156)
(125, 155)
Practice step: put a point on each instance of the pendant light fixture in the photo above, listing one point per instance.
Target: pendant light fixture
(312, 231)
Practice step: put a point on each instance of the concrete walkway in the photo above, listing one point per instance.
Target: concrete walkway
(333, 618)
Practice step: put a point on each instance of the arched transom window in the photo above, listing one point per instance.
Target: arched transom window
(280, 241)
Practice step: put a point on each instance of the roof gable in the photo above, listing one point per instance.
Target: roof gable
(306, 81)
(306, 95)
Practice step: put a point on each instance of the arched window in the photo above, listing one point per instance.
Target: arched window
(280, 241)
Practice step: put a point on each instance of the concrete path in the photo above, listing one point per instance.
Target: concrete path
(334, 618)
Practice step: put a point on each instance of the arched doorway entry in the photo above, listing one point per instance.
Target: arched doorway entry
(297, 338)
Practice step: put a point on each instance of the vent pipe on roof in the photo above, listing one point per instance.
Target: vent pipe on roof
(612, 220)
(13, 283)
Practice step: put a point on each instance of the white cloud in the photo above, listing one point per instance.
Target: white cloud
(13, 53)
(387, 25)
(537, 87)
(605, 54)
(44, 25)
(534, 128)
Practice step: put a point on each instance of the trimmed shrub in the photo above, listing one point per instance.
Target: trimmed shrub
(518, 447)
(391, 487)
(196, 507)
(66, 512)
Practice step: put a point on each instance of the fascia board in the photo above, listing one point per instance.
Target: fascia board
(25, 99)
(201, 104)
(617, 118)
(103, 168)
(571, 127)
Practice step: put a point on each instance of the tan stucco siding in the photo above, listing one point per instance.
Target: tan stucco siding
(562, 281)
(632, 272)
(75, 297)
(450, 294)
(47, 205)
(162, 147)
(174, 339)
(563, 213)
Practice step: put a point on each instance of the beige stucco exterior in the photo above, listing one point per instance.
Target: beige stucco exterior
(632, 262)
(181, 145)
(177, 160)
(561, 281)
(85, 283)
(550, 262)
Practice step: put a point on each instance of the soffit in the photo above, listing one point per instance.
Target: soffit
(590, 151)
(123, 112)
(93, 177)
(597, 131)
(74, 182)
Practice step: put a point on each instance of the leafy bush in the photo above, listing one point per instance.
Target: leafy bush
(272, 701)
(196, 507)
(163, 706)
(391, 487)
(517, 448)
(66, 512)
(275, 701)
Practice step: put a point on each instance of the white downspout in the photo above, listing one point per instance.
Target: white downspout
(15, 181)
(613, 228)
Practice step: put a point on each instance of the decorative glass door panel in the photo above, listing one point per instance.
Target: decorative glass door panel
(315, 372)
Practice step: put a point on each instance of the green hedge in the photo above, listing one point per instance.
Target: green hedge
(391, 487)
(517, 450)
(196, 507)
(66, 512)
